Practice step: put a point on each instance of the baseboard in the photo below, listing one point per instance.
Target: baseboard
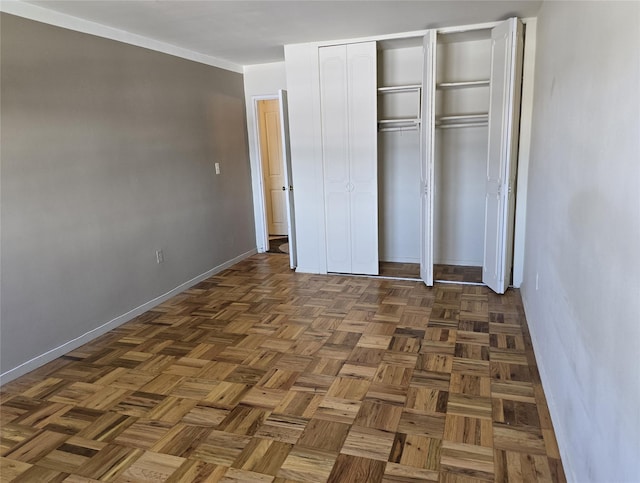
(307, 270)
(61, 350)
(561, 437)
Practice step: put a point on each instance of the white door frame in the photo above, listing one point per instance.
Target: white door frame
(262, 236)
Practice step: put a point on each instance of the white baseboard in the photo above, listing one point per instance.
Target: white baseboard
(307, 270)
(61, 350)
(561, 436)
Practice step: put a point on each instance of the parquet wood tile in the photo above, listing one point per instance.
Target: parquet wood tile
(398, 473)
(11, 469)
(377, 415)
(337, 410)
(151, 467)
(324, 435)
(457, 273)
(368, 443)
(461, 429)
(355, 468)
(416, 451)
(307, 465)
(467, 459)
(262, 374)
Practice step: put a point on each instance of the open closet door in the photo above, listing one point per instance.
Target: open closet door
(504, 116)
(427, 149)
(286, 158)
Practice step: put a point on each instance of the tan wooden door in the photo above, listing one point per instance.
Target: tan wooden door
(275, 190)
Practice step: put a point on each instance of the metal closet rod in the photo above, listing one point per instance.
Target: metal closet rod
(450, 125)
(403, 128)
(464, 120)
(413, 120)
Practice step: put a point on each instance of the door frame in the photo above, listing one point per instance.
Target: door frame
(262, 232)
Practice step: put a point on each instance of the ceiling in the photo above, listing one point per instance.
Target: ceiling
(253, 32)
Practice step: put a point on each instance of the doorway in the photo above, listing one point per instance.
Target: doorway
(275, 168)
(273, 177)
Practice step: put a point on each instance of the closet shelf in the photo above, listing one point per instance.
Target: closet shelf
(462, 124)
(461, 84)
(463, 118)
(405, 88)
(413, 127)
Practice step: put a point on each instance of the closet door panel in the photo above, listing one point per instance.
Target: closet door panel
(363, 156)
(428, 158)
(364, 233)
(506, 65)
(335, 135)
(338, 232)
(334, 118)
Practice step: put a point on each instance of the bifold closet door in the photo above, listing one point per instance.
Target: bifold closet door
(427, 148)
(349, 143)
(504, 109)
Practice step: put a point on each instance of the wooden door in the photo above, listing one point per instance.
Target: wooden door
(273, 173)
(427, 147)
(286, 154)
(504, 113)
(349, 152)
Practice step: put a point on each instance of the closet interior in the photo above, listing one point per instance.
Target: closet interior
(399, 96)
(463, 62)
(463, 71)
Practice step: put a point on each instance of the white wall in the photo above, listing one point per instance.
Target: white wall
(583, 233)
(260, 80)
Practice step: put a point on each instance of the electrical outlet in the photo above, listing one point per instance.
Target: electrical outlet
(217, 165)
(159, 256)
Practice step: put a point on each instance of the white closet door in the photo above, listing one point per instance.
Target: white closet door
(286, 157)
(363, 156)
(334, 116)
(504, 108)
(428, 157)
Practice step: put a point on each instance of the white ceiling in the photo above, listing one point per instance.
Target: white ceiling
(252, 32)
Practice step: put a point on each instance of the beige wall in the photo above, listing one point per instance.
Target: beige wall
(107, 155)
(582, 260)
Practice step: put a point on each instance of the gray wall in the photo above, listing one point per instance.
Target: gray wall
(583, 233)
(107, 155)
